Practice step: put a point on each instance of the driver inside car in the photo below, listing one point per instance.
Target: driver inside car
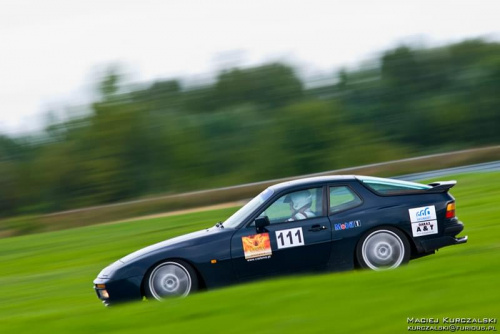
(300, 205)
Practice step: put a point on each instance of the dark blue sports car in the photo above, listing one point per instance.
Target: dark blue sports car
(323, 223)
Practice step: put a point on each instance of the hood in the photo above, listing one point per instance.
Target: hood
(185, 240)
(106, 272)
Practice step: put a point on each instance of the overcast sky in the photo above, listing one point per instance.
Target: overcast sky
(51, 50)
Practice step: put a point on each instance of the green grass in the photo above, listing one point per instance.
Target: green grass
(46, 282)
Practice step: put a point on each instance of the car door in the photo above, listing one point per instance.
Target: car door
(289, 244)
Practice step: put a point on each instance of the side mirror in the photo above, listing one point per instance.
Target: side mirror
(261, 223)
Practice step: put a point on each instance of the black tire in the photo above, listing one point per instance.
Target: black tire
(383, 248)
(168, 279)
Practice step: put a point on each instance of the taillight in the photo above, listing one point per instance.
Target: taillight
(450, 210)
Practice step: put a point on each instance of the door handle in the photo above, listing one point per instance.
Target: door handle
(317, 227)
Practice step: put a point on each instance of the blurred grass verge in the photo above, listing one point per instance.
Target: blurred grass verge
(146, 206)
(46, 282)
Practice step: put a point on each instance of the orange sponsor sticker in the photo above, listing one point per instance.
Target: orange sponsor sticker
(257, 246)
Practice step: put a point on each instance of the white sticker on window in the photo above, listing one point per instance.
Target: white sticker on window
(422, 214)
(424, 228)
(290, 238)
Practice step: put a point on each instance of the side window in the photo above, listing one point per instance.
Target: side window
(297, 205)
(342, 198)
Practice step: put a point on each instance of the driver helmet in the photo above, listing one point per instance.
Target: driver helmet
(299, 200)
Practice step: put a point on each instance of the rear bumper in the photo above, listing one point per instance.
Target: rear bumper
(448, 239)
(434, 244)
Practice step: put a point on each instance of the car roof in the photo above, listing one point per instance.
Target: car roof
(311, 181)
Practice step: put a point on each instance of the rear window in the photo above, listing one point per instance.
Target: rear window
(390, 186)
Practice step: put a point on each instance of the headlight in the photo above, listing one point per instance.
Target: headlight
(102, 293)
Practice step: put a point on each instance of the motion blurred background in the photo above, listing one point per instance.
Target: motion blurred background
(105, 101)
(113, 110)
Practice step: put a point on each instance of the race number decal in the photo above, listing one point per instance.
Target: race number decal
(290, 238)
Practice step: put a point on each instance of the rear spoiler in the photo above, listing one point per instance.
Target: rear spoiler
(441, 186)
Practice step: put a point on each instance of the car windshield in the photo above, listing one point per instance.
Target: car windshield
(248, 208)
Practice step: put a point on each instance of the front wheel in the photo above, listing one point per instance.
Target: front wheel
(384, 248)
(171, 279)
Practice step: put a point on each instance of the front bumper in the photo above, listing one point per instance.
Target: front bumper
(115, 291)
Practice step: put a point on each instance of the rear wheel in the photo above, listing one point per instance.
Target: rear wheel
(171, 279)
(384, 248)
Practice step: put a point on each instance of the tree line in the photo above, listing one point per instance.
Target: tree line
(254, 124)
